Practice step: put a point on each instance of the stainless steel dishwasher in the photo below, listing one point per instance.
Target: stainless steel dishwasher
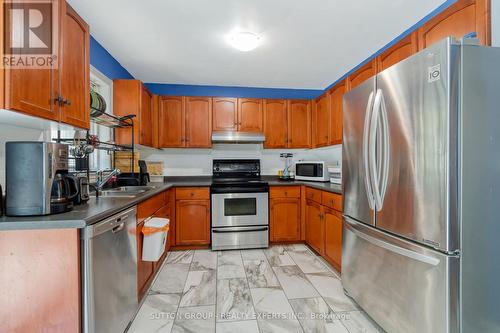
(109, 250)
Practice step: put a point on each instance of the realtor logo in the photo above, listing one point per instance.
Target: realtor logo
(29, 29)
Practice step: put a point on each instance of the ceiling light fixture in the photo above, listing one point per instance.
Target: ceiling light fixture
(244, 40)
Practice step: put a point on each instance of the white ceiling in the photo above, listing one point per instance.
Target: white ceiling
(306, 44)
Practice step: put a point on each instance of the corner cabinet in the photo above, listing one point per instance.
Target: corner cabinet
(62, 93)
(315, 227)
(275, 119)
(336, 96)
(285, 217)
(198, 122)
(321, 121)
(132, 97)
(299, 123)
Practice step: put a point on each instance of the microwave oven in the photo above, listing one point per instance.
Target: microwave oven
(312, 171)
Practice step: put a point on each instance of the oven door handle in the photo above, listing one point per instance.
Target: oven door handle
(239, 229)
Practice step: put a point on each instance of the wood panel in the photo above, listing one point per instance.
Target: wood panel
(33, 91)
(163, 212)
(313, 195)
(284, 192)
(198, 122)
(321, 121)
(192, 225)
(189, 193)
(275, 123)
(403, 49)
(171, 121)
(250, 115)
(331, 200)
(74, 68)
(147, 208)
(40, 281)
(315, 230)
(225, 114)
(333, 237)
(459, 19)
(299, 124)
(146, 118)
(362, 74)
(285, 219)
(145, 269)
(336, 96)
(127, 101)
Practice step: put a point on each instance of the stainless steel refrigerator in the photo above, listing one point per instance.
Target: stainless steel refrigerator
(421, 175)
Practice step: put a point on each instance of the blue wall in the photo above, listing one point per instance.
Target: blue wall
(101, 59)
(222, 91)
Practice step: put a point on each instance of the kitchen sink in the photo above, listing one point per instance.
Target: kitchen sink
(125, 191)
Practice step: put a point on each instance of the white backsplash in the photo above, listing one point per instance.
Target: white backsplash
(189, 162)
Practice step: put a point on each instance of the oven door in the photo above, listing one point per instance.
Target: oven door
(239, 209)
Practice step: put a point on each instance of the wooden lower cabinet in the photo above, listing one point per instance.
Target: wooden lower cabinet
(285, 219)
(145, 269)
(192, 225)
(315, 227)
(333, 237)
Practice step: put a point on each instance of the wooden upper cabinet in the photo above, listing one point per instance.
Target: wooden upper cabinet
(250, 115)
(275, 123)
(400, 51)
(362, 74)
(199, 122)
(299, 124)
(225, 114)
(321, 121)
(459, 19)
(132, 97)
(171, 121)
(74, 69)
(336, 95)
(146, 121)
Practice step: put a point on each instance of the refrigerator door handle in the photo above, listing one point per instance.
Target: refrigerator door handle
(391, 247)
(385, 148)
(381, 168)
(372, 151)
(366, 164)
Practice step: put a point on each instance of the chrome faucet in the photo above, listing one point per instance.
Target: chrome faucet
(101, 180)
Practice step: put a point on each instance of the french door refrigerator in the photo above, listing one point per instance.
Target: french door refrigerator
(421, 175)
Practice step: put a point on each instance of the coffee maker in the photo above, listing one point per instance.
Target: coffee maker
(37, 179)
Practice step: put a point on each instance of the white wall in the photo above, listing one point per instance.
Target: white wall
(184, 162)
(495, 22)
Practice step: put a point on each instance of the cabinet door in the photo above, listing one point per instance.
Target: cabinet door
(199, 122)
(171, 121)
(459, 19)
(406, 47)
(225, 114)
(299, 124)
(336, 102)
(285, 219)
(192, 225)
(145, 269)
(362, 74)
(127, 101)
(31, 91)
(250, 117)
(322, 121)
(315, 229)
(74, 69)
(275, 123)
(333, 237)
(146, 114)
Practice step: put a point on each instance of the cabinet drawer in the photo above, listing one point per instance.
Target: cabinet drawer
(332, 200)
(284, 192)
(147, 208)
(313, 195)
(188, 193)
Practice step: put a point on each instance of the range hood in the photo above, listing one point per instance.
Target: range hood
(238, 137)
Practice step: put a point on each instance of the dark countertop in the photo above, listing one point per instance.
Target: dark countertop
(100, 208)
(324, 186)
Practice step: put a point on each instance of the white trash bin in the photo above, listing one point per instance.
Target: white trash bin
(155, 232)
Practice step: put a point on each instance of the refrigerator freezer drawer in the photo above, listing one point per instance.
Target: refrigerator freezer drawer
(402, 286)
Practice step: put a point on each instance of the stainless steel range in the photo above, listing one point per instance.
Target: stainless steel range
(240, 205)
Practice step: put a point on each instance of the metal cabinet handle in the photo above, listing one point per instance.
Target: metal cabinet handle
(118, 228)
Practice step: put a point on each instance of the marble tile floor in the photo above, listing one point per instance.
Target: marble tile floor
(281, 289)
